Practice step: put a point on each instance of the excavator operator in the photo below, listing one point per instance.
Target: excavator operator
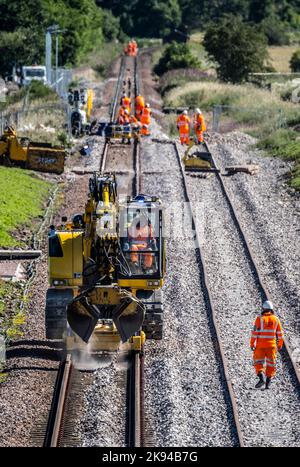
(141, 238)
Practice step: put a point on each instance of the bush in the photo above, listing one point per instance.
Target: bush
(176, 56)
(275, 31)
(38, 90)
(295, 61)
(238, 49)
(283, 143)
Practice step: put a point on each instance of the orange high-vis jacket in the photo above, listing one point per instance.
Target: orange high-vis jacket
(199, 123)
(146, 116)
(143, 234)
(126, 102)
(183, 121)
(267, 328)
(139, 101)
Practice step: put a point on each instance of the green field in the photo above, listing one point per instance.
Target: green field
(22, 198)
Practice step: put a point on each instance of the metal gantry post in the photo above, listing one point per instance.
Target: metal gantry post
(217, 110)
(48, 55)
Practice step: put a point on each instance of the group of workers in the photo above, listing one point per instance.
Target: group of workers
(184, 126)
(131, 49)
(141, 120)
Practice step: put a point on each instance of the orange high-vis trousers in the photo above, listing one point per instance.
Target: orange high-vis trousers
(184, 137)
(147, 257)
(264, 359)
(199, 134)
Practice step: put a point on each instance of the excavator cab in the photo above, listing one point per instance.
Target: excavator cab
(142, 244)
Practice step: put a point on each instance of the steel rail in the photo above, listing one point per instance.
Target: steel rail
(135, 384)
(54, 429)
(211, 308)
(249, 252)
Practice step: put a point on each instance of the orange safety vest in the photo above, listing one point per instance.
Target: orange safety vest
(142, 234)
(183, 121)
(146, 116)
(126, 102)
(139, 101)
(267, 328)
(199, 123)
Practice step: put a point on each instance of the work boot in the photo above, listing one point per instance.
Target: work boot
(261, 381)
(268, 382)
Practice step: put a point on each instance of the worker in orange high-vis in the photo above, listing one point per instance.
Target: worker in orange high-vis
(126, 102)
(266, 337)
(199, 125)
(183, 125)
(121, 115)
(134, 47)
(140, 235)
(135, 125)
(139, 106)
(146, 120)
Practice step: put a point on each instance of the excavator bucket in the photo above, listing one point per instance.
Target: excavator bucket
(128, 317)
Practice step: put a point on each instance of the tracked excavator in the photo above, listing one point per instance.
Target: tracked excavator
(105, 278)
(31, 155)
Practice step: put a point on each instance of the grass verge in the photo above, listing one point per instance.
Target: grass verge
(22, 198)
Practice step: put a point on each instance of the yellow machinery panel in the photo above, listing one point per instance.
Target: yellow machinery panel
(67, 262)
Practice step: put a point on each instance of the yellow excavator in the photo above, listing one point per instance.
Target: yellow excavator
(106, 271)
(30, 155)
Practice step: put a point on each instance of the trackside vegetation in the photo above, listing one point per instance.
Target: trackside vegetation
(22, 198)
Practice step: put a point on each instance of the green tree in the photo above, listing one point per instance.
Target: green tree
(295, 61)
(260, 9)
(275, 31)
(176, 56)
(238, 48)
(81, 20)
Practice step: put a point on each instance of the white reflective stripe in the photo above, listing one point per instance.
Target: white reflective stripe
(268, 330)
(261, 323)
(259, 361)
(266, 337)
(270, 364)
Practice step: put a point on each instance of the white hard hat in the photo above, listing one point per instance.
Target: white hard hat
(126, 112)
(267, 305)
(147, 105)
(198, 111)
(185, 112)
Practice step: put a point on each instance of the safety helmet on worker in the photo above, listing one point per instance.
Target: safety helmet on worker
(126, 112)
(185, 112)
(198, 111)
(147, 105)
(267, 306)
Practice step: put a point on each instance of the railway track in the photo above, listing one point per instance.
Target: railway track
(134, 435)
(212, 304)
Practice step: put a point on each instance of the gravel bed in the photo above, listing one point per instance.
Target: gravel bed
(265, 421)
(269, 213)
(103, 422)
(184, 393)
